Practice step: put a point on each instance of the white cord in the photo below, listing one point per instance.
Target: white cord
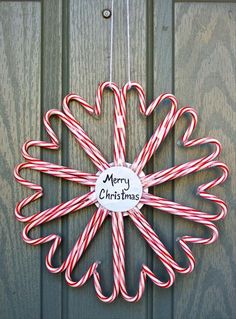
(111, 44)
(128, 39)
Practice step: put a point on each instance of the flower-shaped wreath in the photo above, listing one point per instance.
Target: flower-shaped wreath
(135, 172)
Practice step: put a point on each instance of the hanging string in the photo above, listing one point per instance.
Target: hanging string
(111, 44)
(128, 39)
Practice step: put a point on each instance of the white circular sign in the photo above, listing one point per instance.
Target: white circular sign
(118, 189)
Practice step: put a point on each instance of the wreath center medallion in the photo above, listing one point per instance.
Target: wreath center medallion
(118, 189)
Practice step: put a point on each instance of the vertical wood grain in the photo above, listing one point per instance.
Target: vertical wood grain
(19, 120)
(51, 26)
(163, 158)
(205, 77)
(88, 50)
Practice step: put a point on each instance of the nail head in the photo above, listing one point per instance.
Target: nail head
(106, 13)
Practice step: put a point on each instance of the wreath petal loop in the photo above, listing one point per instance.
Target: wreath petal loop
(117, 219)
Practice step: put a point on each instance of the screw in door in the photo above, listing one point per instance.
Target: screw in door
(106, 13)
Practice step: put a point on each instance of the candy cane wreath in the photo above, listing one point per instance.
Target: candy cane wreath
(117, 217)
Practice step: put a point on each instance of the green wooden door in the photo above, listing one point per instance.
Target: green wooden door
(52, 47)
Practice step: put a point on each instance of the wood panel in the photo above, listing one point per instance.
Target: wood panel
(162, 69)
(205, 77)
(19, 120)
(51, 86)
(87, 47)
